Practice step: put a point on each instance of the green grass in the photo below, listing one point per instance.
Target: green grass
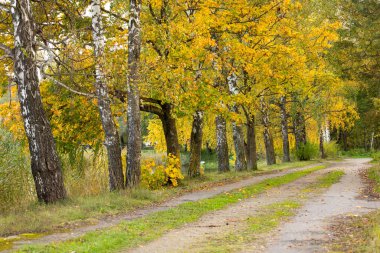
(136, 232)
(272, 215)
(326, 180)
(74, 212)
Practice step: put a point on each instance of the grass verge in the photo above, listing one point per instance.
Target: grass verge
(133, 233)
(80, 211)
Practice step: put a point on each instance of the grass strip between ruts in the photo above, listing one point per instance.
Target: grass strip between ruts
(132, 233)
(268, 218)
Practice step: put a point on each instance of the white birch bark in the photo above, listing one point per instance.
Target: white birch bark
(112, 140)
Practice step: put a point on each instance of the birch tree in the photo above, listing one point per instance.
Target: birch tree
(284, 129)
(222, 144)
(237, 129)
(196, 144)
(112, 139)
(133, 95)
(45, 164)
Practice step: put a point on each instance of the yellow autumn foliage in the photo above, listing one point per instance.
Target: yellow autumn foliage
(155, 176)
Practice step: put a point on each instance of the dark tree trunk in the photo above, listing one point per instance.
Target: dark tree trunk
(269, 148)
(164, 112)
(170, 130)
(133, 112)
(299, 127)
(237, 130)
(112, 139)
(251, 144)
(221, 144)
(45, 164)
(344, 139)
(284, 130)
(196, 145)
(208, 147)
(268, 140)
(238, 137)
(321, 147)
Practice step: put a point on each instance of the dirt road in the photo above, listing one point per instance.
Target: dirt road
(303, 233)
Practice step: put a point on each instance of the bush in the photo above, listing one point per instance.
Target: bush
(16, 182)
(307, 151)
(154, 176)
(331, 149)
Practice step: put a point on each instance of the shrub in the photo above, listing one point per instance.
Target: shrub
(154, 176)
(331, 149)
(307, 151)
(173, 170)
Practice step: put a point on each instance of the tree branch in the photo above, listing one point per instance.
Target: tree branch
(115, 15)
(152, 109)
(55, 81)
(5, 7)
(151, 100)
(7, 50)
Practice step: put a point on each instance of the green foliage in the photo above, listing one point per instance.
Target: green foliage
(133, 233)
(353, 59)
(362, 153)
(16, 183)
(332, 149)
(307, 151)
(375, 156)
